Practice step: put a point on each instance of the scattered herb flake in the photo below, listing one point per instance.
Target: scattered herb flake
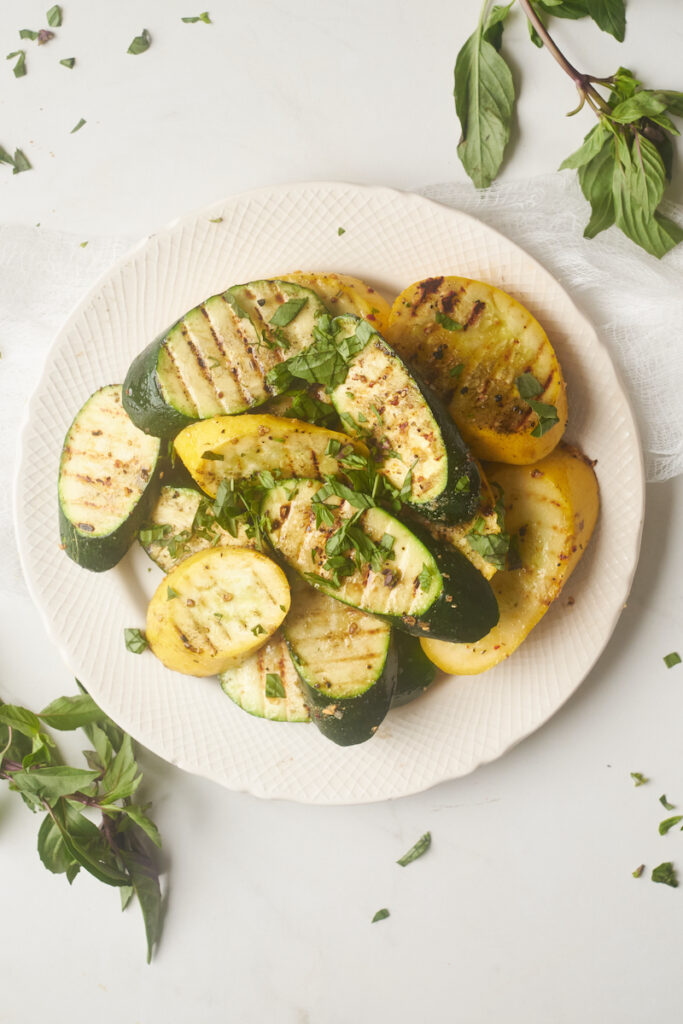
(672, 659)
(27, 33)
(462, 484)
(171, 593)
(341, 231)
(665, 803)
(83, 245)
(68, 62)
(20, 162)
(455, 371)
(418, 850)
(54, 16)
(210, 456)
(19, 68)
(140, 43)
(193, 19)
(258, 629)
(136, 641)
(77, 127)
(447, 322)
(666, 874)
(381, 915)
(287, 312)
(274, 687)
(638, 872)
(528, 386)
(425, 577)
(215, 220)
(639, 778)
(669, 823)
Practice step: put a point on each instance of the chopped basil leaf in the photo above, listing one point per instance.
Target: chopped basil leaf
(447, 322)
(381, 915)
(287, 312)
(528, 386)
(210, 456)
(140, 43)
(54, 16)
(638, 872)
(333, 447)
(204, 16)
(267, 479)
(407, 485)
(258, 629)
(665, 873)
(68, 62)
(424, 577)
(83, 245)
(5, 158)
(376, 412)
(420, 848)
(153, 532)
(455, 371)
(310, 409)
(462, 484)
(78, 127)
(20, 162)
(672, 659)
(639, 778)
(274, 687)
(135, 640)
(665, 803)
(341, 231)
(19, 68)
(171, 593)
(493, 547)
(215, 220)
(668, 823)
(325, 361)
(27, 33)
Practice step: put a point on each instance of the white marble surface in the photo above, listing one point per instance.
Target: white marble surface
(525, 909)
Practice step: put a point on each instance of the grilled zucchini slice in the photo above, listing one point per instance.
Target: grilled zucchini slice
(214, 360)
(415, 673)
(344, 294)
(216, 608)
(551, 508)
(408, 428)
(471, 342)
(279, 698)
(236, 447)
(182, 523)
(404, 585)
(107, 476)
(346, 665)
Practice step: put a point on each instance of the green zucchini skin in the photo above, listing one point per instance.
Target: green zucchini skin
(390, 388)
(415, 673)
(82, 541)
(346, 663)
(142, 398)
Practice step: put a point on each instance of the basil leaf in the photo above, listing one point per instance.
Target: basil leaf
(341, 231)
(54, 781)
(672, 659)
(121, 778)
(381, 915)
(418, 850)
(140, 43)
(665, 873)
(287, 312)
(68, 62)
(204, 16)
(51, 849)
(5, 158)
(274, 687)
(669, 823)
(493, 547)
(447, 322)
(642, 104)
(20, 162)
(592, 145)
(71, 712)
(310, 409)
(595, 179)
(54, 16)
(674, 101)
(424, 577)
(624, 85)
(565, 8)
(137, 815)
(19, 68)
(484, 99)
(665, 803)
(528, 386)
(637, 187)
(639, 778)
(20, 720)
(135, 640)
(28, 33)
(547, 418)
(78, 126)
(610, 16)
(493, 29)
(145, 883)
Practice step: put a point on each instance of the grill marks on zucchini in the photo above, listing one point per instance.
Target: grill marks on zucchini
(393, 590)
(245, 684)
(215, 359)
(106, 475)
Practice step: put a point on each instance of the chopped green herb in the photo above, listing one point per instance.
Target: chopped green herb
(171, 593)
(381, 915)
(210, 456)
(28, 33)
(447, 322)
(333, 447)
(154, 532)
(215, 220)
(665, 873)
(376, 412)
(214, 363)
(68, 62)
(325, 361)
(218, 615)
(638, 872)
(78, 126)
(672, 659)
(407, 485)
(258, 629)
(362, 418)
(20, 162)
(274, 687)
(462, 484)
(455, 371)
(140, 43)
(83, 245)
(54, 16)
(135, 640)
(665, 803)
(341, 231)
(639, 778)
(204, 16)
(287, 312)
(528, 386)
(425, 577)
(19, 68)
(493, 547)
(420, 848)
(668, 823)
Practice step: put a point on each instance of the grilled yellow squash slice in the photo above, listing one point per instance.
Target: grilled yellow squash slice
(235, 447)
(472, 342)
(551, 508)
(216, 608)
(344, 294)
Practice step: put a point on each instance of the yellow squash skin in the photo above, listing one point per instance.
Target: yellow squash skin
(344, 294)
(251, 444)
(202, 618)
(474, 369)
(552, 508)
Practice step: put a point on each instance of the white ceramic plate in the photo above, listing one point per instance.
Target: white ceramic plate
(391, 239)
